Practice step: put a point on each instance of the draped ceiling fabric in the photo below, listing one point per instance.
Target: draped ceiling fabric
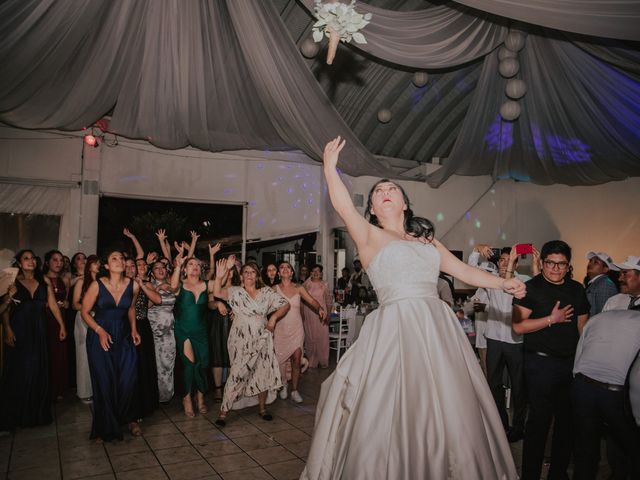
(226, 75)
(435, 37)
(601, 18)
(217, 75)
(580, 121)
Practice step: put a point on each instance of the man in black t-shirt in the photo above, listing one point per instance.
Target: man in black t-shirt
(551, 317)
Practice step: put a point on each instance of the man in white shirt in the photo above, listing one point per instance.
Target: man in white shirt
(606, 364)
(504, 348)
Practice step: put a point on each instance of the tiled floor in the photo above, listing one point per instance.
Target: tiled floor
(174, 446)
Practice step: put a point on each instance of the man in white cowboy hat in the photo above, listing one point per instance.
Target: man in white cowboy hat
(629, 298)
(599, 286)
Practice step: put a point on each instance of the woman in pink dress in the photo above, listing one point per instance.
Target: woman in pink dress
(316, 330)
(288, 337)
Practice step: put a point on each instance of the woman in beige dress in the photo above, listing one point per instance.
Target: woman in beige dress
(254, 376)
(288, 337)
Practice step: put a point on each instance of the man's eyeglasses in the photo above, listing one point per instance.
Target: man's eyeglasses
(556, 265)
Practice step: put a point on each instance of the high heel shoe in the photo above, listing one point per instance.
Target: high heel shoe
(202, 406)
(187, 405)
(221, 421)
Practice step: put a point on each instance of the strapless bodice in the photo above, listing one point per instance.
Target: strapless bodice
(405, 269)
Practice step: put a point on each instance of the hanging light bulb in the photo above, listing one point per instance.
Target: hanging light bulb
(91, 140)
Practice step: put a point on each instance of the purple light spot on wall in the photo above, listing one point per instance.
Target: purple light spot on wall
(467, 216)
(290, 189)
(260, 166)
(499, 137)
(567, 151)
(227, 191)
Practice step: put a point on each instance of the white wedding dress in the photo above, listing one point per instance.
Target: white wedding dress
(408, 400)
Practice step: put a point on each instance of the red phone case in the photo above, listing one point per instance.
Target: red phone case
(524, 248)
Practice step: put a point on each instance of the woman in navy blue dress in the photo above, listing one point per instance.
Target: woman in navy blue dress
(112, 338)
(25, 400)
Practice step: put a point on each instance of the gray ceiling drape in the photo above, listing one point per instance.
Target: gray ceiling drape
(601, 18)
(217, 75)
(435, 37)
(580, 121)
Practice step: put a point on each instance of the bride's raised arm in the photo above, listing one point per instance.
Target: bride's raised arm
(356, 224)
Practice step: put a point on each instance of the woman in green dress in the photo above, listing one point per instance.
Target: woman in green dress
(191, 329)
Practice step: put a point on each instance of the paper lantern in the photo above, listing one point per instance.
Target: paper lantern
(515, 88)
(509, 67)
(504, 53)
(510, 110)
(420, 79)
(384, 115)
(309, 48)
(514, 41)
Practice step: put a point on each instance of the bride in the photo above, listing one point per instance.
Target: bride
(408, 400)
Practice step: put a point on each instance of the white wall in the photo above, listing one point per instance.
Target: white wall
(285, 197)
(471, 210)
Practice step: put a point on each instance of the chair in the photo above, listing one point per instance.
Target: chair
(343, 336)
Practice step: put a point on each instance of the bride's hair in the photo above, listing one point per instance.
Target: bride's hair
(415, 226)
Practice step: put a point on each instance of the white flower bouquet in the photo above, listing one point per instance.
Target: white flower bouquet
(338, 21)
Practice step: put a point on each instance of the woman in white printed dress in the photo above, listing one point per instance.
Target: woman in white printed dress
(254, 376)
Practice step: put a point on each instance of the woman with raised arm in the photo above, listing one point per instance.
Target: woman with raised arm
(220, 322)
(25, 400)
(408, 399)
(112, 338)
(83, 377)
(192, 295)
(161, 320)
(254, 376)
(288, 337)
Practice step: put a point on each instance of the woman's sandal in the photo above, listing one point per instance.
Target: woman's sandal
(217, 395)
(187, 406)
(135, 429)
(202, 407)
(265, 415)
(222, 417)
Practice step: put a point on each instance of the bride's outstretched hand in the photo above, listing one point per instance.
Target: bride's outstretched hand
(332, 151)
(515, 287)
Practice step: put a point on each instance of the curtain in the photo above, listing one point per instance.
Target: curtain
(35, 200)
(216, 75)
(580, 120)
(601, 18)
(435, 37)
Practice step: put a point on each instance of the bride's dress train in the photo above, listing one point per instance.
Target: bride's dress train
(408, 400)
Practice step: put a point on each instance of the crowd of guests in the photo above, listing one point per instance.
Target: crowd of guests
(566, 351)
(114, 328)
(128, 331)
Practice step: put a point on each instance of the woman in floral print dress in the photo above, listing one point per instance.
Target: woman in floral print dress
(254, 373)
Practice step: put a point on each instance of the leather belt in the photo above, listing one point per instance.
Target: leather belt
(607, 386)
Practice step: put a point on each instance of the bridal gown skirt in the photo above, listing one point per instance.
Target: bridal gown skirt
(409, 401)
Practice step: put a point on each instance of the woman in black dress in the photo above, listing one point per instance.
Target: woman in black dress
(25, 386)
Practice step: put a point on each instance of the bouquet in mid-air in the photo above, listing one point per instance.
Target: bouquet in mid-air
(338, 21)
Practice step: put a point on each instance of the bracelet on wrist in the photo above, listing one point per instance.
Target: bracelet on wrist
(549, 320)
(98, 328)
